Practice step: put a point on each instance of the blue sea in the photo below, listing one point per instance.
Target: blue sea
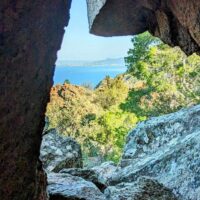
(85, 75)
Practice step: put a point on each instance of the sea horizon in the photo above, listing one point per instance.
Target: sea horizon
(79, 75)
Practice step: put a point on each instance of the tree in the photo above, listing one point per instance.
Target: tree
(92, 117)
(115, 125)
(139, 52)
(111, 92)
(159, 80)
(69, 106)
(171, 79)
(66, 81)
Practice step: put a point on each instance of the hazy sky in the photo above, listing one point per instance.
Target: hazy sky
(78, 44)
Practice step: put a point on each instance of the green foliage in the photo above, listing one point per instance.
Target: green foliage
(66, 81)
(170, 78)
(92, 117)
(159, 80)
(140, 52)
(108, 92)
(115, 125)
(69, 107)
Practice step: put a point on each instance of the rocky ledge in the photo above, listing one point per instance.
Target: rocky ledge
(167, 149)
(176, 22)
(63, 186)
(67, 187)
(161, 161)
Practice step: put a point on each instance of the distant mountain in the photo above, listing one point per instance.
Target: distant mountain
(106, 62)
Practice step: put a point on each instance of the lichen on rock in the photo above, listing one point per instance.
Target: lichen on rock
(165, 148)
(58, 152)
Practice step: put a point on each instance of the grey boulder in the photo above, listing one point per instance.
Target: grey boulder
(87, 174)
(62, 186)
(58, 152)
(143, 189)
(105, 171)
(165, 148)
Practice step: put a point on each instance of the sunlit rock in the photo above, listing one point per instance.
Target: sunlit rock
(58, 152)
(105, 171)
(167, 149)
(87, 174)
(67, 187)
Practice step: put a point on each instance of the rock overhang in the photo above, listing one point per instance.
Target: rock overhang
(117, 17)
(176, 22)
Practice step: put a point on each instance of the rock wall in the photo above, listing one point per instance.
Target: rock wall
(176, 22)
(30, 36)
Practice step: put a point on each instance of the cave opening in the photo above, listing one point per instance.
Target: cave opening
(103, 87)
(98, 107)
(165, 148)
(90, 71)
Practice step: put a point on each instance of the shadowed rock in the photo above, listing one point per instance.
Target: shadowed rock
(176, 22)
(87, 174)
(31, 33)
(65, 186)
(143, 189)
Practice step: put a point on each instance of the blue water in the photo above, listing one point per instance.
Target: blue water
(82, 75)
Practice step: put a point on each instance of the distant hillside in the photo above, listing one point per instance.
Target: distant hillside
(107, 62)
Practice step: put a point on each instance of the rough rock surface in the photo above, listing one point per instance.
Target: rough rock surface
(30, 35)
(176, 22)
(87, 174)
(167, 149)
(105, 171)
(58, 152)
(143, 189)
(62, 186)
(99, 175)
(78, 185)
